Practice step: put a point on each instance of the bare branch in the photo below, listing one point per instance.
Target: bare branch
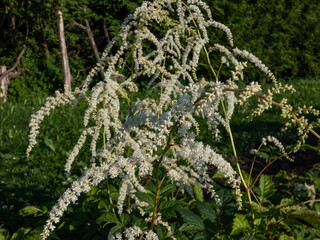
(82, 70)
(94, 46)
(106, 32)
(91, 39)
(75, 24)
(6, 73)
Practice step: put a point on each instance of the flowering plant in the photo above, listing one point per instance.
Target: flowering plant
(157, 141)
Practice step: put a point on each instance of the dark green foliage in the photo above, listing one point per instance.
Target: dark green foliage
(283, 34)
(42, 59)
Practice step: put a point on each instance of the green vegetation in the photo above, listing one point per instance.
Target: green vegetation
(39, 180)
(280, 198)
(283, 34)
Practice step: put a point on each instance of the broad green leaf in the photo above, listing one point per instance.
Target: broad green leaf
(240, 224)
(30, 210)
(224, 195)
(20, 234)
(207, 211)
(104, 203)
(200, 236)
(33, 235)
(191, 218)
(114, 196)
(286, 202)
(198, 192)
(257, 221)
(309, 216)
(108, 218)
(49, 144)
(116, 229)
(4, 234)
(168, 189)
(263, 155)
(248, 238)
(266, 187)
(181, 236)
(169, 204)
(186, 227)
(284, 236)
(161, 231)
(125, 219)
(145, 197)
(218, 175)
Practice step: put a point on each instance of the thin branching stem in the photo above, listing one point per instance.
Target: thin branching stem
(158, 164)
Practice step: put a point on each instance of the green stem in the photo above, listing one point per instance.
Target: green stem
(251, 169)
(157, 197)
(235, 153)
(311, 201)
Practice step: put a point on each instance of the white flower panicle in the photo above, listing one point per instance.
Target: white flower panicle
(278, 144)
(51, 103)
(130, 148)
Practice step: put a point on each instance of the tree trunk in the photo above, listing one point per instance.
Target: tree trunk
(4, 85)
(64, 56)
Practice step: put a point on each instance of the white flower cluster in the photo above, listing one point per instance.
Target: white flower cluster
(250, 90)
(256, 61)
(278, 144)
(132, 148)
(51, 103)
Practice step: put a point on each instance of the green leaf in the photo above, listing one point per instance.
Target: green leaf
(116, 229)
(108, 218)
(4, 234)
(161, 231)
(218, 175)
(20, 234)
(172, 204)
(266, 187)
(191, 218)
(168, 189)
(49, 144)
(114, 196)
(145, 197)
(104, 203)
(240, 224)
(284, 236)
(181, 236)
(125, 219)
(224, 196)
(186, 227)
(309, 216)
(200, 236)
(263, 155)
(30, 210)
(198, 192)
(33, 234)
(207, 211)
(248, 238)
